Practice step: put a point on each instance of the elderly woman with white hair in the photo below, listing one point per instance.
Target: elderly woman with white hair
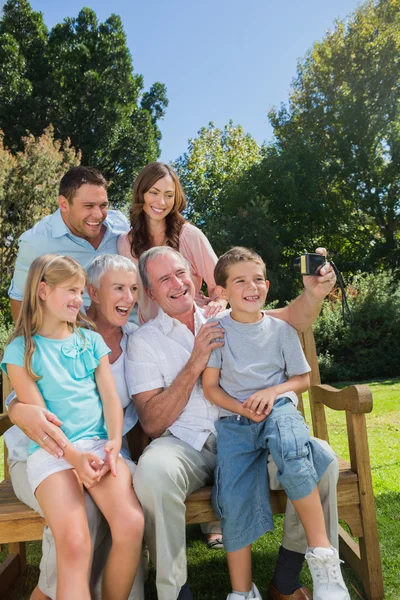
(112, 288)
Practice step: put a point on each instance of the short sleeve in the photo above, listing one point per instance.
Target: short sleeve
(14, 354)
(194, 246)
(215, 360)
(27, 252)
(142, 371)
(295, 360)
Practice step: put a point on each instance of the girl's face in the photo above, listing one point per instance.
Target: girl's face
(160, 198)
(63, 301)
(116, 296)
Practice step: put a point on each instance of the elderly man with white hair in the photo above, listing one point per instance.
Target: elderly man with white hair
(165, 358)
(112, 288)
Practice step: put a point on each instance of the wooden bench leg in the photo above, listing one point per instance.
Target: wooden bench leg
(12, 567)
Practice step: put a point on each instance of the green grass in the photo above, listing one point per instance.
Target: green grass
(207, 569)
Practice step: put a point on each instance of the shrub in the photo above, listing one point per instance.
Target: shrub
(370, 346)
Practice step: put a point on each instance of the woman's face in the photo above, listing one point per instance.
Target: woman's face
(116, 296)
(160, 198)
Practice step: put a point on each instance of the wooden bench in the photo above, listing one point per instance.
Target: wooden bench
(19, 524)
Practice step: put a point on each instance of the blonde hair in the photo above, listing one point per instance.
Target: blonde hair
(53, 270)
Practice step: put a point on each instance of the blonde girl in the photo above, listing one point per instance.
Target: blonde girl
(54, 361)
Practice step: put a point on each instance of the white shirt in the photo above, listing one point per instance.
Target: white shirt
(156, 354)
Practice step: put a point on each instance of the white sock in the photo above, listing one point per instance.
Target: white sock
(319, 551)
(249, 594)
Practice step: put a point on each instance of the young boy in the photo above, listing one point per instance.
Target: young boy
(254, 379)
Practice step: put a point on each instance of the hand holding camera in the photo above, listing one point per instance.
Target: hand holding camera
(319, 276)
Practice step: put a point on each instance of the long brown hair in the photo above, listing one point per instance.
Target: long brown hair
(53, 270)
(139, 234)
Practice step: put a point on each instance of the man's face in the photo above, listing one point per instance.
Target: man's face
(171, 285)
(85, 215)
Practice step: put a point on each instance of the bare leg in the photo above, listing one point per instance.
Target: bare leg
(239, 564)
(61, 499)
(311, 516)
(118, 502)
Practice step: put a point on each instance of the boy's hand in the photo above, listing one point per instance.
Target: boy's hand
(88, 467)
(262, 402)
(245, 412)
(112, 448)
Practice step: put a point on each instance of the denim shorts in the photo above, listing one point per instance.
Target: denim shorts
(241, 490)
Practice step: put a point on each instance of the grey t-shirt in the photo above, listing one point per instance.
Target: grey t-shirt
(256, 356)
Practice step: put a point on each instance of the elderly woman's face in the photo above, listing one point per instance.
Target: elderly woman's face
(117, 296)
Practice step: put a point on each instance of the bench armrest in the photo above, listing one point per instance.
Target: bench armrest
(356, 398)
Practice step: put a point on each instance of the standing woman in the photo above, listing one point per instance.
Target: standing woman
(156, 220)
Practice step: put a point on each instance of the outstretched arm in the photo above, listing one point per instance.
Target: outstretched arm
(302, 312)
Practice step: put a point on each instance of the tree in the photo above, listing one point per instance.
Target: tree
(28, 192)
(79, 77)
(215, 160)
(342, 127)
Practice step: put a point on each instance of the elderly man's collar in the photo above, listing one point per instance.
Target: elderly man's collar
(167, 323)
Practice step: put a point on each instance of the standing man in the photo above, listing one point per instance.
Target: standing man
(165, 358)
(81, 227)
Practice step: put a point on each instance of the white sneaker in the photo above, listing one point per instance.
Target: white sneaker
(324, 565)
(256, 595)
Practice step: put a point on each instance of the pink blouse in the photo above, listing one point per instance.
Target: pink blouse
(196, 248)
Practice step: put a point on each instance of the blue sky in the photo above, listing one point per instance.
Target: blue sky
(220, 59)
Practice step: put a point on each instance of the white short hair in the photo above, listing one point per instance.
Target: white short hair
(108, 262)
(151, 254)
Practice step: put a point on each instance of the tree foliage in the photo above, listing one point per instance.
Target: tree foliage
(370, 346)
(341, 129)
(331, 176)
(28, 192)
(78, 77)
(214, 162)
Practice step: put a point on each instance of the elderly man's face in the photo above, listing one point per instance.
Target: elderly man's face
(171, 285)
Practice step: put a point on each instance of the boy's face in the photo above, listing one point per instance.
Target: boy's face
(246, 288)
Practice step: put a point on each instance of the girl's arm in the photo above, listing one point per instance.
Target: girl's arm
(28, 393)
(25, 388)
(112, 410)
(216, 395)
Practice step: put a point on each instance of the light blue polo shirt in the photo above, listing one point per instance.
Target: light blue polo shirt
(52, 236)
(67, 383)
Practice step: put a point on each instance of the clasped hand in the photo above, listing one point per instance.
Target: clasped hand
(90, 468)
(259, 405)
